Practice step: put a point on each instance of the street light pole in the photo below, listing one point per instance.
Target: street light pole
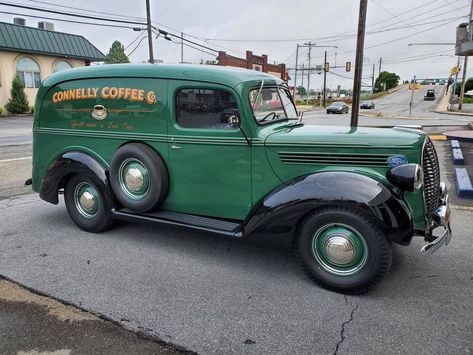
(358, 63)
(412, 95)
(310, 44)
(295, 75)
(150, 36)
(325, 79)
(465, 64)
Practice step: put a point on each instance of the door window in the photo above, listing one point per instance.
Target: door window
(204, 108)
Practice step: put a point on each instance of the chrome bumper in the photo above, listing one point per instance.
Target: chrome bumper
(441, 220)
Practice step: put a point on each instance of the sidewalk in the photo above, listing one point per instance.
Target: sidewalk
(34, 324)
(444, 105)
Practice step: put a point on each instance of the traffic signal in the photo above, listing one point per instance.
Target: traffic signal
(348, 66)
(454, 70)
(327, 67)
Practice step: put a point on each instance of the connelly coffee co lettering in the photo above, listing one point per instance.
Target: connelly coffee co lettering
(106, 92)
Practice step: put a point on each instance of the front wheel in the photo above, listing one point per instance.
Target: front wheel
(342, 250)
(87, 204)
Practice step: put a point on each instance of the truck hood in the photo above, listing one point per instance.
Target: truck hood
(325, 136)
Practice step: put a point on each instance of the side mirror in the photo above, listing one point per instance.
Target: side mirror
(233, 121)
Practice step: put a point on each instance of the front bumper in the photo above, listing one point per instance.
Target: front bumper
(440, 221)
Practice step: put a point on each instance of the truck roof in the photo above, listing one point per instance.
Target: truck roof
(210, 73)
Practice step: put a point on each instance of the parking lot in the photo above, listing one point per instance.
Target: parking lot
(210, 294)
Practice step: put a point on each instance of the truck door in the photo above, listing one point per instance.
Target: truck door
(210, 171)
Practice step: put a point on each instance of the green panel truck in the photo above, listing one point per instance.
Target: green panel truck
(224, 150)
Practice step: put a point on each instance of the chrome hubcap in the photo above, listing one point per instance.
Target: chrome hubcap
(86, 199)
(134, 180)
(339, 249)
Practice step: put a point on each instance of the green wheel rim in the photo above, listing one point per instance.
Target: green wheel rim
(86, 199)
(339, 249)
(134, 178)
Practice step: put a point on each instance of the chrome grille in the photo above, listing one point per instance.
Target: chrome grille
(431, 177)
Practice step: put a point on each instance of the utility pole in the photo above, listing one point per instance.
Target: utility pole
(355, 109)
(303, 71)
(379, 69)
(295, 75)
(412, 95)
(182, 47)
(325, 79)
(465, 64)
(372, 80)
(150, 36)
(452, 98)
(310, 45)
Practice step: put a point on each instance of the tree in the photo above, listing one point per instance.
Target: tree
(312, 92)
(17, 103)
(116, 54)
(386, 81)
(301, 91)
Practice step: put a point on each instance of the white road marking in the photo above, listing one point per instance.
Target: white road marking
(15, 159)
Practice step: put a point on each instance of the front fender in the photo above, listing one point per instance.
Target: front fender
(282, 209)
(73, 162)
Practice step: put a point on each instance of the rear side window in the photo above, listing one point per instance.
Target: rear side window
(203, 108)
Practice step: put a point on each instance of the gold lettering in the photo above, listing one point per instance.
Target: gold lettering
(105, 92)
(60, 96)
(94, 92)
(83, 95)
(140, 94)
(72, 94)
(120, 93)
(150, 97)
(78, 94)
(127, 93)
(113, 93)
(134, 95)
(55, 98)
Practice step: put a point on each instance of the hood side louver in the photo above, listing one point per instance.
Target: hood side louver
(334, 159)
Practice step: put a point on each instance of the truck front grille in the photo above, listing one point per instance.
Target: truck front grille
(431, 177)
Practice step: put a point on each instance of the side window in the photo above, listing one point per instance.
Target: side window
(203, 108)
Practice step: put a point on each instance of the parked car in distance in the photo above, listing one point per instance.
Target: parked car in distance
(337, 107)
(430, 96)
(367, 105)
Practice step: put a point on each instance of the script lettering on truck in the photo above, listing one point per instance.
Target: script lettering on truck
(107, 93)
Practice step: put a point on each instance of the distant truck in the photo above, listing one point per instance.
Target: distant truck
(430, 95)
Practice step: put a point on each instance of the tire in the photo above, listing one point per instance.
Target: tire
(354, 272)
(93, 214)
(146, 189)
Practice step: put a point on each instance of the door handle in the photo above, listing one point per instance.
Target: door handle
(174, 146)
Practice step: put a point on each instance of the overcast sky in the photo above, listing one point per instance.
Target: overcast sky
(275, 27)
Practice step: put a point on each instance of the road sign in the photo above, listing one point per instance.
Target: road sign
(454, 70)
(414, 86)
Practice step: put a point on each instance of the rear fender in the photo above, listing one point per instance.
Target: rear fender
(67, 164)
(282, 209)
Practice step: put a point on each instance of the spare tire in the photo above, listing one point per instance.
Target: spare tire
(139, 177)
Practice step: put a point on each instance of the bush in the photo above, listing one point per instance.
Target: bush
(1, 110)
(31, 109)
(17, 103)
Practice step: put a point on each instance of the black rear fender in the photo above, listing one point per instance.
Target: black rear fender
(66, 165)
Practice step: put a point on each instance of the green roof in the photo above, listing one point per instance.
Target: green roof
(200, 72)
(35, 40)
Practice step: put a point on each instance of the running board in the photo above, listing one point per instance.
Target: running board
(181, 219)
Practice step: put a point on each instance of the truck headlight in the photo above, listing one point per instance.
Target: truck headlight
(409, 177)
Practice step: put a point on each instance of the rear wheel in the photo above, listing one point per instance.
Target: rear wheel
(86, 203)
(342, 250)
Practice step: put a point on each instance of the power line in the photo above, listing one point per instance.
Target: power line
(65, 20)
(73, 15)
(136, 47)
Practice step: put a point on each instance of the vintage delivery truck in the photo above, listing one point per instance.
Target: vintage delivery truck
(223, 150)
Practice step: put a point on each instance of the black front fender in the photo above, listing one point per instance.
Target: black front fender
(282, 209)
(74, 162)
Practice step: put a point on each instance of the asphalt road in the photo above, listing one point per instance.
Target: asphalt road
(217, 295)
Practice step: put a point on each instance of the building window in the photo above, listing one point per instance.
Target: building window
(61, 65)
(28, 72)
(203, 108)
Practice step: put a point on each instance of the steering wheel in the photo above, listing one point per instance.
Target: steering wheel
(268, 115)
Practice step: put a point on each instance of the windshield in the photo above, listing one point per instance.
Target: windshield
(337, 104)
(272, 103)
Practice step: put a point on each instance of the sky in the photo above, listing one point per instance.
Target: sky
(275, 28)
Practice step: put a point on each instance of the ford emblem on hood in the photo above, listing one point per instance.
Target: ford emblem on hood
(396, 160)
